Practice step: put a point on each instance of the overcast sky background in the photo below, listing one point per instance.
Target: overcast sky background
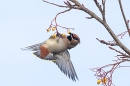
(24, 23)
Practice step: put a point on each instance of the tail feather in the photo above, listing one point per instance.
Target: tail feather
(37, 53)
(33, 47)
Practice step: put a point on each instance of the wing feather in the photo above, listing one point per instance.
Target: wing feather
(64, 63)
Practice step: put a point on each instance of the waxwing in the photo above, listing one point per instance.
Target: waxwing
(56, 50)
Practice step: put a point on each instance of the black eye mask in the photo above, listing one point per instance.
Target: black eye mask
(69, 38)
(75, 38)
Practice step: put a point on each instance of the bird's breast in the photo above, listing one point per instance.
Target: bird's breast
(55, 45)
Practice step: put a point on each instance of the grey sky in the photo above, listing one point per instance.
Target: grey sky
(24, 23)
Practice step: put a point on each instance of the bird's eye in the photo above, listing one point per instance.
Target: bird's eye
(75, 38)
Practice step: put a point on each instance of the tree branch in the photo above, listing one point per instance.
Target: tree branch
(102, 10)
(103, 13)
(126, 23)
(104, 24)
(55, 4)
(98, 5)
(104, 42)
(54, 20)
(119, 52)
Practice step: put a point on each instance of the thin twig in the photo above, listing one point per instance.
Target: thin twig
(55, 4)
(58, 14)
(56, 18)
(65, 27)
(89, 17)
(104, 42)
(119, 52)
(98, 5)
(103, 12)
(126, 23)
(101, 73)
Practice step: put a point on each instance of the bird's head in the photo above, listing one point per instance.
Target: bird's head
(73, 38)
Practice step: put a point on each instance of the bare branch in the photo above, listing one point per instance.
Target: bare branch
(67, 3)
(55, 4)
(60, 13)
(56, 24)
(103, 12)
(126, 23)
(89, 17)
(65, 27)
(104, 24)
(104, 42)
(101, 73)
(119, 52)
(98, 5)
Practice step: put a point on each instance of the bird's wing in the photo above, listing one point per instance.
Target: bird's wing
(64, 63)
(34, 47)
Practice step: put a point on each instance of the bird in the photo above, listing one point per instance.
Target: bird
(56, 50)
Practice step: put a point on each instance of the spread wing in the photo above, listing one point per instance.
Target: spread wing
(63, 61)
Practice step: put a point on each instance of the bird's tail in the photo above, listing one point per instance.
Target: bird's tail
(37, 52)
(35, 47)
(32, 47)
